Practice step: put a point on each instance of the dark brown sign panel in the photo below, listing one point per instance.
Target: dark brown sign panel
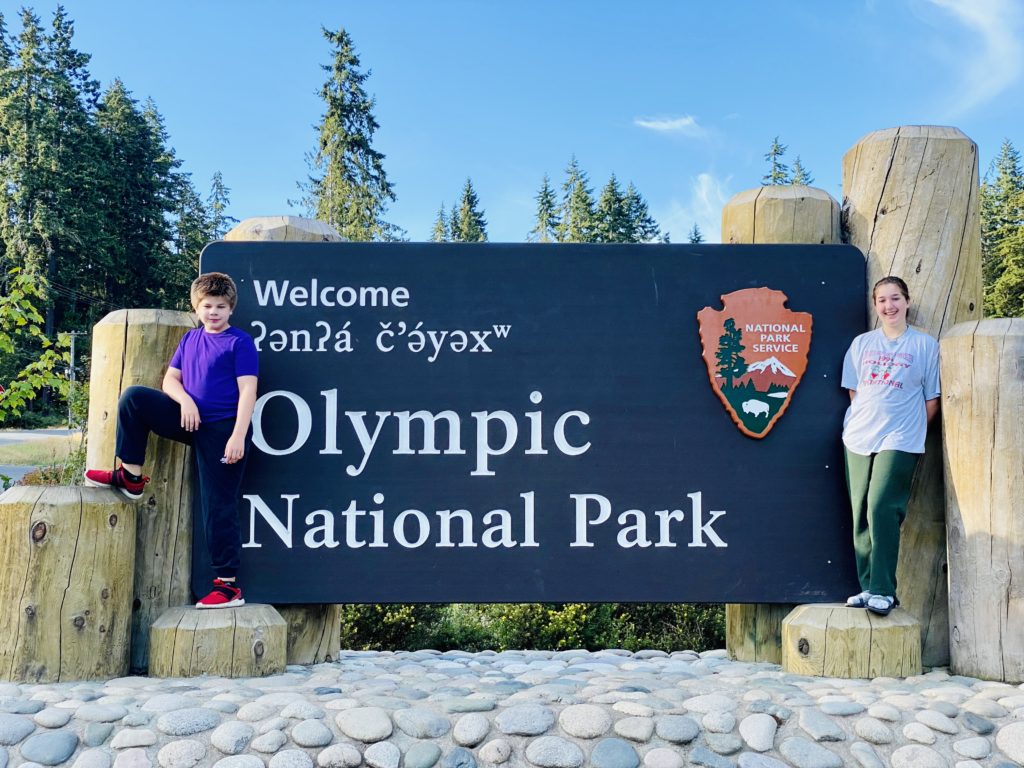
(452, 422)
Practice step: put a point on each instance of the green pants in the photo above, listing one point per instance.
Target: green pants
(879, 487)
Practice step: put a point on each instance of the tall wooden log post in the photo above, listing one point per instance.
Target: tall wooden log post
(65, 584)
(777, 214)
(983, 434)
(314, 631)
(133, 346)
(910, 203)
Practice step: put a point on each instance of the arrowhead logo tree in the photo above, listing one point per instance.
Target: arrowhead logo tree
(756, 352)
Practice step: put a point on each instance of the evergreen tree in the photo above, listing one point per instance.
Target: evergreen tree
(348, 187)
(778, 172)
(192, 228)
(665, 239)
(217, 206)
(440, 232)
(611, 221)
(642, 227)
(731, 364)
(1002, 224)
(454, 226)
(576, 214)
(472, 228)
(545, 228)
(800, 174)
(695, 236)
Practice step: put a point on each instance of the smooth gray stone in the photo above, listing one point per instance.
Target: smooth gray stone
(803, 753)
(917, 756)
(421, 723)
(841, 708)
(21, 706)
(100, 713)
(704, 756)
(302, 710)
(50, 747)
(271, 741)
(468, 705)
(614, 753)
(224, 707)
(459, 757)
(723, 743)
(820, 726)
(326, 690)
(767, 707)
(383, 754)
(678, 729)
(754, 760)
(232, 737)
(422, 754)
(865, 755)
(470, 729)
(14, 728)
(366, 724)
(185, 722)
(312, 733)
(525, 720)
(91, 758)
(291, 758)
(135, 719)
(52, 718)
(977, 723)
(3, 757)
(97, 733)
(407, 692)
(554, 752)
(948, 708)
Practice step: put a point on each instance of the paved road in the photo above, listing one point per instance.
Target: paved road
(12, 436)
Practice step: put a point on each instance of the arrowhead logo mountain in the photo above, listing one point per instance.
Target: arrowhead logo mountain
(756, 351)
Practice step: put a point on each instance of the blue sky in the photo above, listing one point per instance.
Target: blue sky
(681, 98)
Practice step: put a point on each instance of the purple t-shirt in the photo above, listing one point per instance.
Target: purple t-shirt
(210, 364)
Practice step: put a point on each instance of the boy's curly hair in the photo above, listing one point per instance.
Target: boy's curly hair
(213, 284)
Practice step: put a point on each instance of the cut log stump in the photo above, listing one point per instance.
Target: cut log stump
(831, 640)
(314, 632)
(66, 583)
(248, 641)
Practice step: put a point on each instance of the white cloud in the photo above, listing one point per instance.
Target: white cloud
(997, 64)
(703, 207)
(685, 125)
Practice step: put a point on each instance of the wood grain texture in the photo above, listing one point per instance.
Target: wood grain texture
(66, 586)
(132, 347)
(983, 428)
(775, 214)
(284, 228)
(781, 214)
(831, 640)
(314, 632)
(248, 641)
(910, 203)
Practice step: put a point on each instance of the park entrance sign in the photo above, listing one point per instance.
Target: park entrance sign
(506, 423)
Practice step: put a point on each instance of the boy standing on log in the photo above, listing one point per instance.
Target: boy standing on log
(209, 392)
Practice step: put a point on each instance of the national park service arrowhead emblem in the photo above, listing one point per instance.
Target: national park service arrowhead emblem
(756, 351)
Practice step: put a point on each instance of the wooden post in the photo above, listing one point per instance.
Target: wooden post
(314, 631)
(983, 435)
(248, 641)
(133, 346)
(831, 640)
(65, 599)
(777, 214)
(910, 203)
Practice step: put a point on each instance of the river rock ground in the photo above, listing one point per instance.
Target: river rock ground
(520, 709)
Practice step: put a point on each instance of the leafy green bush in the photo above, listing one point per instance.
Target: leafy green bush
(548, 626)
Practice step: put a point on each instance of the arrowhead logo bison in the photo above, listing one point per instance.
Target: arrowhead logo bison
(755, 350)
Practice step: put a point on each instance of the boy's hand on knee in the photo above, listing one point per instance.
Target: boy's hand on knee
(235, 449)
(189, 416)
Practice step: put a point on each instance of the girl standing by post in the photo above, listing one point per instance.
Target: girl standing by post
(892, 374)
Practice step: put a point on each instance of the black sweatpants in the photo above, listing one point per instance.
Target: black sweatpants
(142, 410)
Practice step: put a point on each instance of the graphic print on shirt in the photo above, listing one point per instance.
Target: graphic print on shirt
(881, 368)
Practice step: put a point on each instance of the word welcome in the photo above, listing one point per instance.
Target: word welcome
(277, 294)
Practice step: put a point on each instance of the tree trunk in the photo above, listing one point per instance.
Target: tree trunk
(911, 205)
(768, 215)
(983, 430)
(133, 346)
(65, 599)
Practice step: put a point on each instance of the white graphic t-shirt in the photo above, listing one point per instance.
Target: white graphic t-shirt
(893, 378)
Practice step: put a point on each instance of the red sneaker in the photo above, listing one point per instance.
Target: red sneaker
(104, 478)
(225, 594)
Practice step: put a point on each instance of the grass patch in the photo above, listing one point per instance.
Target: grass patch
(40, 453)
